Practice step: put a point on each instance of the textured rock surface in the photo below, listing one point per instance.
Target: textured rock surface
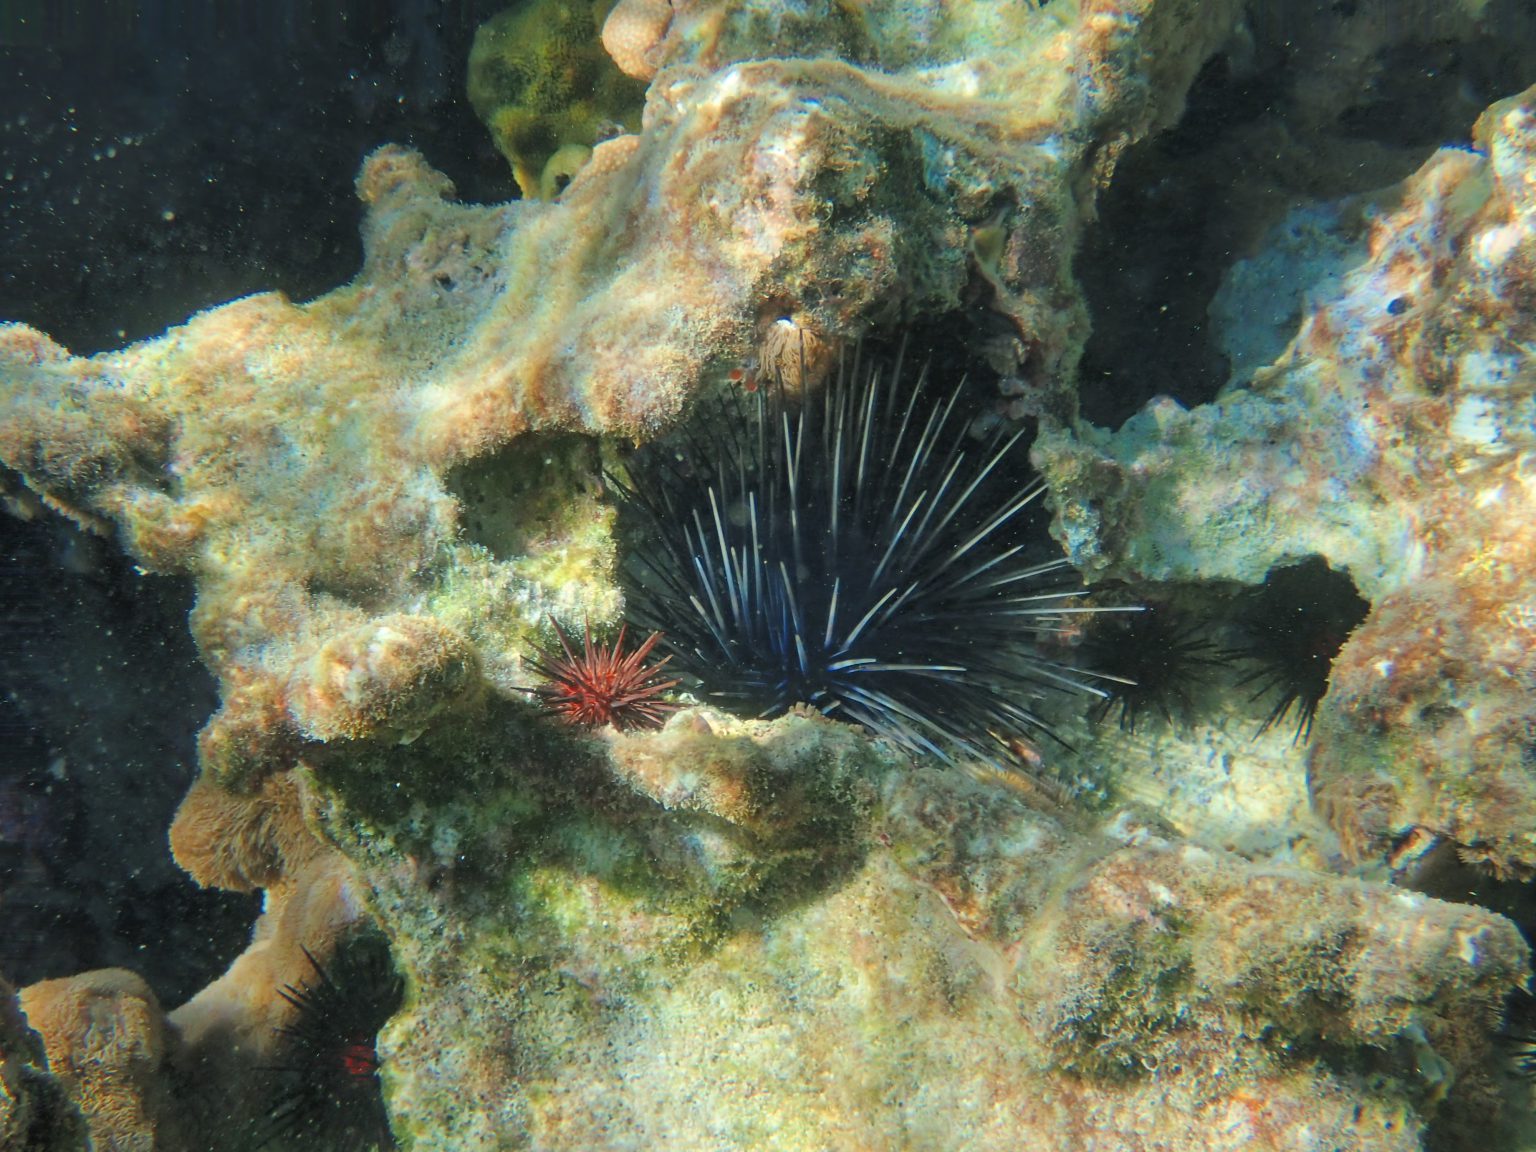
(107, 1042)
(781, 939)
(748, 935)
(293, 458)
(1395, 439)
(35, 1112)
(321, 470)
(318, 469)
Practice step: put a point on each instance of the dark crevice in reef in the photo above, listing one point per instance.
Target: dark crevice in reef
(1152, 261)
(1315, 103)
(949, 345)
(531, 494)
(101, 698)
(1442, 873)
(951, 348)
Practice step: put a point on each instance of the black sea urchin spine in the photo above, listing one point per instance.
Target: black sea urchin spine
(1292, 628)
(327, 1092)
(861, 553)
(1154, 663)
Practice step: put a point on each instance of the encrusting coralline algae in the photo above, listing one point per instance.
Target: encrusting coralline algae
(743, 934)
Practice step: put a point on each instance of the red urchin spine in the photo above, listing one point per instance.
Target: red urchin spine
(603, 685)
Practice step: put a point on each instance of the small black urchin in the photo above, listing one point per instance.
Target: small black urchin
(1152, 662)
(1523, 1052)
(859, 552)
(328, 1089)
(1291, 629)
(1517, 1038)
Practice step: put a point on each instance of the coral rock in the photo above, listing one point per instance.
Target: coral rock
(1393, 438)
(299, 462)
(36, 1114)
(107, 1042)
(230, 1031)
(729, 935)
(390, 674)
(243, 842)
(633, 35)
(965, 963)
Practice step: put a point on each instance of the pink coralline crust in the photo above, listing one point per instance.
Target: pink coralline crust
(1394, 438)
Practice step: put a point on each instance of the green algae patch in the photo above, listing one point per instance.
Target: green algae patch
(462, 792)
(541, 81)
(537, 505)
(689, 833)
(541, 492)
(1126, 1025)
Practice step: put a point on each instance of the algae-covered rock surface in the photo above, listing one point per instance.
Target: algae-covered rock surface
(773, 935)
(1394, 439)
(485, 929)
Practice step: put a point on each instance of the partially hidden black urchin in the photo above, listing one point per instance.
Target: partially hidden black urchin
(1154, 663)
(1291, 628)
(860, 552)
(327, 1091)
(1523, 1059)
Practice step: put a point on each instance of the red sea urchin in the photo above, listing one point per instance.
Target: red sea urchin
(603, 685)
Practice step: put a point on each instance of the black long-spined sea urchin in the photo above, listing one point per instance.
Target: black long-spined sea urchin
(327, 1089)
(1156, 662)
(859, 552)
(1291, 628)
